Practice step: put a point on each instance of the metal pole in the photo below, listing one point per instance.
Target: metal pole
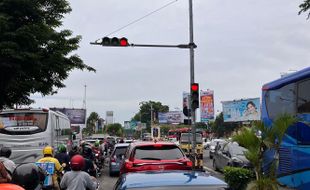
(192, 74)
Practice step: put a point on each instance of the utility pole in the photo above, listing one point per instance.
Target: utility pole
(192, 75)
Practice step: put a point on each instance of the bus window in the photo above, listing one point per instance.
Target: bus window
(303, 100)
(281, 101)
(23, 123)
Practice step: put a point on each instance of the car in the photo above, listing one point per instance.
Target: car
(169, 180)
(230, 154)
(214, 143)
(116, 158)
(142, 156)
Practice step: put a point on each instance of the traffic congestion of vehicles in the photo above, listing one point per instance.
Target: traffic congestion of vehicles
(39, 156)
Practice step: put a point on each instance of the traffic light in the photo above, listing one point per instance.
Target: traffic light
(121, 42)
(194, 96)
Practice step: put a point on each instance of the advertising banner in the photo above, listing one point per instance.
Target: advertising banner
(170, 117)
(127, 124)
(185, 102)
(76, 116)
(162, 117)
(206, 105)
(241, 110)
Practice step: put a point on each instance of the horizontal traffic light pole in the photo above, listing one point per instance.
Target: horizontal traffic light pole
(183, 46)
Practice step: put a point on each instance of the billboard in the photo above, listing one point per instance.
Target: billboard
(241, 110)
(206, 105)
(170, 117)
(127, 124)
(76, 116)
(185, 102)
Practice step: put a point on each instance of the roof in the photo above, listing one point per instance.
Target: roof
(146, 143)
(121, 145)
(170, 178)
(299, 75)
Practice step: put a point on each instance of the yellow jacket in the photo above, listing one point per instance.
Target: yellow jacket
(58, 167)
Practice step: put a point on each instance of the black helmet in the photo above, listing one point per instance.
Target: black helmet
(28, 176)
(5, 152)
(87, 151)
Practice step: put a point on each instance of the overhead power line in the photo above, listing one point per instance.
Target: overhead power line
(137, 20)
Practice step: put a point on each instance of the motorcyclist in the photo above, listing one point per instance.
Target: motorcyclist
(48, 157)
(74, 151)
(77, 179)
(5, 154)
(28, 176)
(63, 157)
(4, 175)
(99, 158)
(90, 166)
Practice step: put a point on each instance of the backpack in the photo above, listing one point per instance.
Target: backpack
(49, 168)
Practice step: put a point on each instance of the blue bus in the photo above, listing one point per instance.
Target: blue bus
(291, 94)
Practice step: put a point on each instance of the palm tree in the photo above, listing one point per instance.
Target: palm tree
(270, 139)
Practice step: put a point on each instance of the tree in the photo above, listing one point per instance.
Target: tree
(91, 122)
(304, 7)
(271, 139)
(220, 128)
(115, 129)
(35, 56)
(144, 115)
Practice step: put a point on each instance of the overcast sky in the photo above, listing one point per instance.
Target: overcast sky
(242, 44)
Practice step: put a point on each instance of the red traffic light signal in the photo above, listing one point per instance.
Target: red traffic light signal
(194, 87)
(122, 42)
(194, 96)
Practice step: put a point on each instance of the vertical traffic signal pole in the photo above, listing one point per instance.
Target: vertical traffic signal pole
(192, 77)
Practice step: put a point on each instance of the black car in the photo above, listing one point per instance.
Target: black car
(230, 154)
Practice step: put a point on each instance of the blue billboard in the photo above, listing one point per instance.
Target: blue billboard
(241, 110)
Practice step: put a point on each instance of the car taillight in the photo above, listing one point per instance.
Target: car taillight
(128, 164)
(113, 159)
(189, 163)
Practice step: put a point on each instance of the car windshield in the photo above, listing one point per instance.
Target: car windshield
(164, 152)
(237, 150)
(120, 151)
(180, 188)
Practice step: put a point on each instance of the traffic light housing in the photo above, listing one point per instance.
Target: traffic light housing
(117, 42)
(194, 96)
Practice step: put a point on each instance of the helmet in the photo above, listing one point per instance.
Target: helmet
(77, 162)
(48, 150)
(87, 151)
(8, 186)
(97, 143)
(5, 152)
(28, 176)
(62, 148)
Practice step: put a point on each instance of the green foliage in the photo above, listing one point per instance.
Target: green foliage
(222, 129)
(238, 178)
(144, 115)
(91, 123)
(35, 55)
(304, 7)
(271, 139)
(115, 129)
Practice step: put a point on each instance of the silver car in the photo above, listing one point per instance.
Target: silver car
(116, 158)
(230, 154)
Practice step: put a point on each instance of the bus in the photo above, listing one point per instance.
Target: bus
(291, 95)
(28, 131)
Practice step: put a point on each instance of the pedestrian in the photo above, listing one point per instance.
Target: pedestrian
(48, 157)
(76, 179)
(5, 154)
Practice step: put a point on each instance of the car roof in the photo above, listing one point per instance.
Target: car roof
(169, 178)
(121, 145)
(147, 143)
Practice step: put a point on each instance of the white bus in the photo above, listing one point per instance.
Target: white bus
(28, 131)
